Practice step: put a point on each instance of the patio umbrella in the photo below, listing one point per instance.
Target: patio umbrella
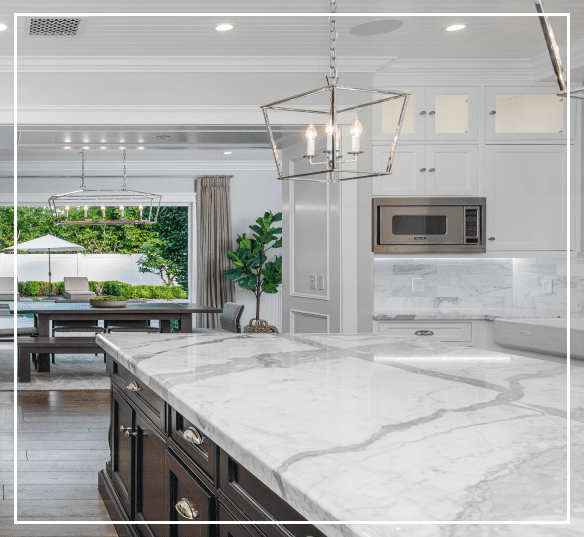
(48, 243)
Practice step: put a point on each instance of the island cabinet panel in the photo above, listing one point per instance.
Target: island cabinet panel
(122, 457)
(194, 445)
(140, 395)
(178, 474)
(189, 500)
(150, 478)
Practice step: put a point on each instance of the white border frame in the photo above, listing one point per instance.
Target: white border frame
(368, 15)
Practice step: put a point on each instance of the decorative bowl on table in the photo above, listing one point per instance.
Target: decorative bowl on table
(108, 302)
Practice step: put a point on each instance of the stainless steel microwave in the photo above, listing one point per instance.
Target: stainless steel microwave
(429, 225)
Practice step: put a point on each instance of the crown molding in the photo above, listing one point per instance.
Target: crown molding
(542, 65)
(191, 64)
(188, 168)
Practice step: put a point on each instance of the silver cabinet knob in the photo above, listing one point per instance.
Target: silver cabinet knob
(128, 431)
(491, 238)
(422, 169)
(186, 509)
(133, 387)
(432, 169)
(493, 112)
(423, 113)
(432, 112)
(192, 436)
(424, 333)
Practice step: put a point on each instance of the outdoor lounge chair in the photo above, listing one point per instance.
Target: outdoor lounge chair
(77, 289)
(7, 288)
(229, 320)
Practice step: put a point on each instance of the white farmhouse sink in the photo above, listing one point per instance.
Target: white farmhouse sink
(547, 336)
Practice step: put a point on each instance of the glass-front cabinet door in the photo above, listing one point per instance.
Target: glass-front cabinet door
(433, 113)
(452, 113)
(525, 114)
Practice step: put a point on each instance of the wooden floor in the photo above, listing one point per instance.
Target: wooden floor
(62, 443)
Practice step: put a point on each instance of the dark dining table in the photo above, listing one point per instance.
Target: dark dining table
(46, 311)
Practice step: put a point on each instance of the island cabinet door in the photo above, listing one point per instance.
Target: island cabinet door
(150, 478)
(123, 419)
(189, 501)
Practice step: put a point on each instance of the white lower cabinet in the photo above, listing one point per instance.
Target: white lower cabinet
(526, 190)
(430, 170)
(442, 331)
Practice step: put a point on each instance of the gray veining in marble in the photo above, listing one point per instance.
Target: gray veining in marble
(372, 428)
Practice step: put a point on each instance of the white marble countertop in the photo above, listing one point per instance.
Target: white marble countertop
(371, 428)
(490, 314)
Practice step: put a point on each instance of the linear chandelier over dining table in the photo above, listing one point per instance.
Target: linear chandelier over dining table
(122, 201)
(330, 114)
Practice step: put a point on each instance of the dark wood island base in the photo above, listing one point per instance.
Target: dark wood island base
(163, 468)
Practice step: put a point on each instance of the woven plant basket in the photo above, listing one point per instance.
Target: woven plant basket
(260, 327)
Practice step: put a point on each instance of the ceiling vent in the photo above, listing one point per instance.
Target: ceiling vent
(59, 27)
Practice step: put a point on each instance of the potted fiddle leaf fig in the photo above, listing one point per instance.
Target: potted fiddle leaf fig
(251, 268)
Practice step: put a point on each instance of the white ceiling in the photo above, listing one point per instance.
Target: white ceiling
(419, 38)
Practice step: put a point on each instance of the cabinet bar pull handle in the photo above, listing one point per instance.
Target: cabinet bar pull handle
(432, 112)
(422, 169)
(424, 333)
(432, 169)
(133, 387)
(186, 509)
(192, 436)
(491, 238)
(423, 113)
(493, 112)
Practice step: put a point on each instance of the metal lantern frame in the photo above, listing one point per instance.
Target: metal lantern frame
(332, 160)
(83, 197)
(334, 172)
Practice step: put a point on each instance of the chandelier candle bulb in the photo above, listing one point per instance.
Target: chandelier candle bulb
(85, 212)
(310, 140)
(356, 131)
(329, 135)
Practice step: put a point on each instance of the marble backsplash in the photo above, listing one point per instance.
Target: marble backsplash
(478, 283)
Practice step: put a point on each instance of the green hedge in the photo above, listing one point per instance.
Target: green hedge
(35, 288)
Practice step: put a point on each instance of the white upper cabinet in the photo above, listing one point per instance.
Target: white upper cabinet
(526, 114)
(526, 187)
(428, 170)
(433, 113)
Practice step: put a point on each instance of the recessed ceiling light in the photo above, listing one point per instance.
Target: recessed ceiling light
(67, 147)
(227, 152)
(3, 26)
(455, 27)
(377, 27)
(122, 147)
(103, 147)
(140, 147)
(224, 27)
(85, 147)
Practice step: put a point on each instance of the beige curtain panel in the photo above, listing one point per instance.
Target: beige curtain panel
(213, 243)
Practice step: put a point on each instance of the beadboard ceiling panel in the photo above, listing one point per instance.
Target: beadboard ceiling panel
(418, 38)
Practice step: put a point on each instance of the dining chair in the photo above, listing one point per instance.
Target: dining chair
(229, 320)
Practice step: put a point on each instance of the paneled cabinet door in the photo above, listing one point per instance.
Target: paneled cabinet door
(386, 116)
(526, 187)
(408, 173)
(516, 113)
(150, 478)
(123, 459)
(452, 170)
(452, 113)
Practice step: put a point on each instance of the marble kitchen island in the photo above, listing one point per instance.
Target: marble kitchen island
(371, 428)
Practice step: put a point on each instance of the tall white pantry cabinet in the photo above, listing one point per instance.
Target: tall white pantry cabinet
(507, 143)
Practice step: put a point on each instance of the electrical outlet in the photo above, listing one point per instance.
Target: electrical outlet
(320, 281)
(313, 281)
(547, 286)
(417, 284)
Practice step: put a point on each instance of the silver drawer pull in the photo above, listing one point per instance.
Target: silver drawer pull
(133, 387)
(186, 509)
(128, 431)
(192, 436)
(424, 333)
